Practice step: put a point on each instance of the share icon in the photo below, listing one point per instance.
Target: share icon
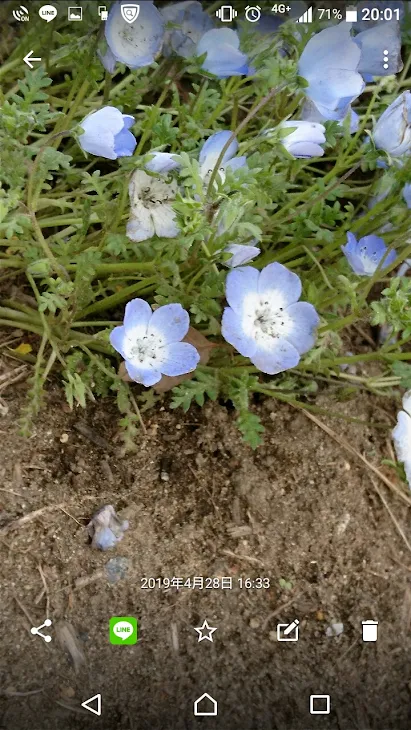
(37, 630)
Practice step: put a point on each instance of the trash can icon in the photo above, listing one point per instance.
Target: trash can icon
(369, 630)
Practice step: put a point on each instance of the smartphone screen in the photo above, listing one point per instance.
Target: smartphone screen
(197, 581)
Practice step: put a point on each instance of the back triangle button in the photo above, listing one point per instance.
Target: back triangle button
(97, 701)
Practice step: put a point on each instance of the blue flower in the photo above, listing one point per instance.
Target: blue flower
(402, 436)
(305, 139)
(106, 133)
(372, 43)
(135, 44)
(193, 22)
(265, 321)
(392, 132)
(329, 64)
(224, 58)
(365, 255)
(211, 150)
(150, 342)
(240, 254)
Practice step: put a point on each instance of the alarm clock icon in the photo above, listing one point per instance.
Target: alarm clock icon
(253, 13)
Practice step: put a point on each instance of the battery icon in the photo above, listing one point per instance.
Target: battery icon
(351, 15)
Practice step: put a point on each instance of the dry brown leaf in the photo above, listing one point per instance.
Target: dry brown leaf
(167, 382)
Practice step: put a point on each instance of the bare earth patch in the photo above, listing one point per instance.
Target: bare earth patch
(300, 511)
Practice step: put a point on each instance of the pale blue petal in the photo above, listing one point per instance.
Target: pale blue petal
(233, 332)
(241, 255)
(162, 162)
(282, 356)
(99, 131)
(373, 42)
(117, 337)
(402, 436)
(135, 44)
(240, 283)
(138, 313)
(147, 376)
(170, 321)
(211, 149)
(224, 58)
(236, 163)
(304, 322)
(276, 278)
(392, 132)
(304, 149)
(178, 358)
(124, 143)
(128, 120)
(365, 255)
(108, 60)
(104, 539)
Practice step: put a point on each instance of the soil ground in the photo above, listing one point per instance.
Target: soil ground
(299, 511)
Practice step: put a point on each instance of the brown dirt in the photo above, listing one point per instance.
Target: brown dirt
(299, 510)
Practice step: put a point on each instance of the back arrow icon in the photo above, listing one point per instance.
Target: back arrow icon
(29, 58)
(86, 704)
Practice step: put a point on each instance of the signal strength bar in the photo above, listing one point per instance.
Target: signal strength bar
(307, 17)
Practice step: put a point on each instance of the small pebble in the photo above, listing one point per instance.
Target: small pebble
(334, 629)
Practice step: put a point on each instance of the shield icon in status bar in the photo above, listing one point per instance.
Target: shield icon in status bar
(130, 12)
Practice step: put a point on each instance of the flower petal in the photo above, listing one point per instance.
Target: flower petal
(164, 219)
(124, 143)
(304, 150)
(373, 42)
(117, 339)
(99, 131)
(137, 315)
(146, 376)
(178, 358)
(236, 163)
(140, 225)
(301, 321)
(241, 254)
(170, 322)
(135, 44)
(233, 332)
(211, 149)
(162, 162)
(239, 284)
(281, 356)
(280, 285)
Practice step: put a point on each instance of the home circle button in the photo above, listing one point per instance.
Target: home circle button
(205, 706)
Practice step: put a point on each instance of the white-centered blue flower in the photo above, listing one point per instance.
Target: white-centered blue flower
(191, 21)
(150, 342)
(241, 254)
(392, 132)
(106, 133)
(211, 151)
(265, 321)
(151, 211)
(365, 255)
(402, 436)
(224, 58)
(329, 63)
(305, 140)
(373, 42)
(135, 44)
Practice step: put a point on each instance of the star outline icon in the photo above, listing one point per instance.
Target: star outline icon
(205, 631)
